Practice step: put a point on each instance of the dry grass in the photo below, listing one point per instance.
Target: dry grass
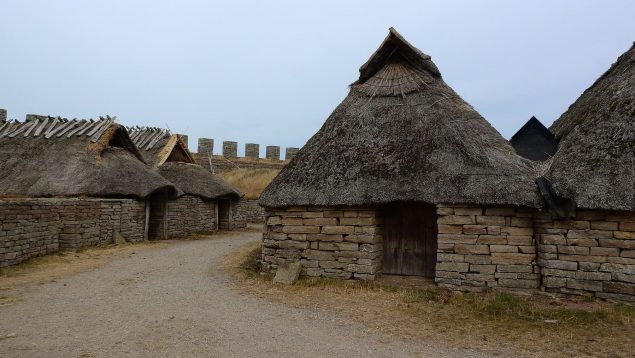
(51, 267)
(496, 323)
(250, 181)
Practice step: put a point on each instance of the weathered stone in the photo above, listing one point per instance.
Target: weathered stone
(573, 250)
(604, 225)
(485, 269)
(500, 211)
(620, 287)
(605, 251)
(553, 239)
(514, 268)
(450, 257)
(319, 221)
(474, 229)
(338, 229)
(471, 249)
(449, 229)
(617, 268)
(274, 220)
(456, 220)
(554, 282)
(292, 221)
(358, 221)
(622, 244)
(589, 266)
(491, 239)
(361, 238)
(512, 258)
(456, 239)
(582, 242)
(490, 220)
(288, 273)
(117, 239)
(324, 237)
(292, 229)
(318, 255)
(571, 224)
(503, 248)
(585, 285)
(289, 244)
(558, 264)
(453, 266)
(520, 240)
(478, 259)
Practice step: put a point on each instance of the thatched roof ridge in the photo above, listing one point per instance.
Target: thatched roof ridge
(51, 156)
(169, 155)
(403, 134)
(595, 161)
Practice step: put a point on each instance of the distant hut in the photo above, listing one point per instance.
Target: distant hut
(534, 141)
(594, 167)
(404, 178)
(207, 202)
(72, 183)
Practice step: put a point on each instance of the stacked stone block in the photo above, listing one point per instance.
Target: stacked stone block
(328, 242)
(250, 210)
(252, 150)
(230, 150)
(205, 146)
(188, 215)
(35, 227)
(290, 153)
(593, 254)
(486, 247)
(273, 152)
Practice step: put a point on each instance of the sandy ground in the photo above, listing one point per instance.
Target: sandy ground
(170, 302)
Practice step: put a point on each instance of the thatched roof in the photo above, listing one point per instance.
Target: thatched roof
(534, 141)
(46, 157)
(402, 134)
(168, 154)
(595, 161)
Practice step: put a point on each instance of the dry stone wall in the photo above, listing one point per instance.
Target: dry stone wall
(328, 242)
(35, 227)
(592, 254)
(190, 214)
(486, 247)
(250, 211)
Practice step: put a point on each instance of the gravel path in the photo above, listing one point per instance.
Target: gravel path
(164, 303)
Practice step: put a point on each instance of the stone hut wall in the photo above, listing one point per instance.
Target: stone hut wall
(591, 254)
(329, 242)
(35, 227)
(190, 214)
(486, 247)
(250, 210)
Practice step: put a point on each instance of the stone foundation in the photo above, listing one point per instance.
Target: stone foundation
(190, 214)
(36, 227)
(594, 254)
(328, 242)
(486, 247)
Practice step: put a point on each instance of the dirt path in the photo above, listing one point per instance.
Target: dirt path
(164, 303)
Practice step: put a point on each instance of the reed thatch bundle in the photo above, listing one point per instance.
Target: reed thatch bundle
(595, 161)
(48, 157)
(402, 134)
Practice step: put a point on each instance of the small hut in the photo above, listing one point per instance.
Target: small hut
(534, 141)
(594, 166)
(207, 202)
(405, 178)
(72, 183)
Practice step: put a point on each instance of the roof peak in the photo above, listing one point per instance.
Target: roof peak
(48, 127)
(396, 45)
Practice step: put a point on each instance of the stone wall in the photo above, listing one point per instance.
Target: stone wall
(239, 214)
(480, 248)
(190, 214)
(328, 242)
(592, 254)
(220, 164)
(250, 210)
(35, 227)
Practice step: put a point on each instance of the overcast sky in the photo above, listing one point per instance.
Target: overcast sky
(270, 72)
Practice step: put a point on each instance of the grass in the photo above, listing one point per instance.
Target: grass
(498, 323)
(250, 181)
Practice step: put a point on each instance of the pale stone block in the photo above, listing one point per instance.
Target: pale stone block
(468, 211)
(518, 231)
(471, 249)
(520, 240)
(456, 239)
(491, 240)
(313, 214)
(573, 250)
(325, 237)
(604, 225)
(486, 269)
(575, 284)
(571, 224)
(490, 220)
(622, 244)
(626, 235)
(450, 257)
(450, 229)
(503, 248)
(512, 258)
(453, 266)
(274, 220)
(605, 251)
(338, 229)
(456, 220)
(300, 229)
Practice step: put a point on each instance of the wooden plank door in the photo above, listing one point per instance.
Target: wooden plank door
(410, 239)
(157, 221)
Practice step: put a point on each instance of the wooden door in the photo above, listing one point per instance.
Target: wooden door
(410, 239)
(157, 221)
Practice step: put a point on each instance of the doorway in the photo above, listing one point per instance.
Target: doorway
(410, 239)
(156, 214)
(224, 214)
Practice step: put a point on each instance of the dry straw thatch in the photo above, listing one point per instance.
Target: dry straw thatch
(169, 155)
(595, 161)
(402, 134)
(47, 157)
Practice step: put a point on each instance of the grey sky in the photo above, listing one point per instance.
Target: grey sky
(270, 72)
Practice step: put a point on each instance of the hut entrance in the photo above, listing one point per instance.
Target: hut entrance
(224, 214)
(410, 239)
(156, 216)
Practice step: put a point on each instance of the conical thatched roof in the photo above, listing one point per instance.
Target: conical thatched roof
(402, 134)
(534, 141)
(46, 156)
(169, 155)
(595, 161)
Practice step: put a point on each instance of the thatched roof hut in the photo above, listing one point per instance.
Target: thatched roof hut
(534, 141)
(402, 134)
(595, 161)
(46, 157)
(168, 153)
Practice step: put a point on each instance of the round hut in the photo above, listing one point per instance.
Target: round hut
(405, 178)
(594, 167)
(207, 203)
